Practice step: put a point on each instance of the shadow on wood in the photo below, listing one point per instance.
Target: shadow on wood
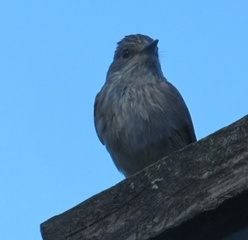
(227, 222)
(181, 195)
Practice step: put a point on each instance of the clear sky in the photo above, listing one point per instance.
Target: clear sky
(54, 56)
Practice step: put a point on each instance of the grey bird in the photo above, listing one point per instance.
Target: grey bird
(139, 116)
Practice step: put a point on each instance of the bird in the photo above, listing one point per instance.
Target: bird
(138, 114)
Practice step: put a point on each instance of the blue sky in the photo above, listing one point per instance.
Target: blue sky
(54, 56)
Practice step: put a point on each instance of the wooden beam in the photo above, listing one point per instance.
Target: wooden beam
(177, 188)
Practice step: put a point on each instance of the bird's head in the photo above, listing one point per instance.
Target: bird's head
(136, 56)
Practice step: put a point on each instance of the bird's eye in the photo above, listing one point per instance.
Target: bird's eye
(125, 53)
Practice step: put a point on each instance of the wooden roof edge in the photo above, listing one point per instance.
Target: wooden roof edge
(168, 193)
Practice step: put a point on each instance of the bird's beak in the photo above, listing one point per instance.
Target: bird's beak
(152, 47)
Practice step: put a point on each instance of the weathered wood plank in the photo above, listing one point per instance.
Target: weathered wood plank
(169, 192)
